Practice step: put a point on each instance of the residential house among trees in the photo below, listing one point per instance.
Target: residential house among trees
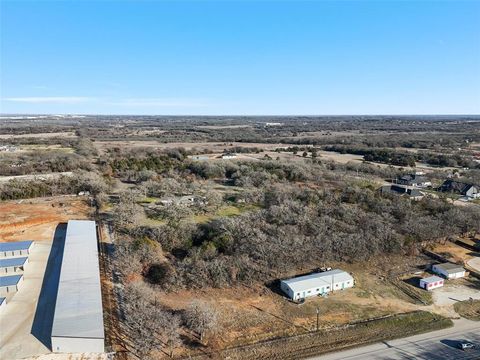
(416, 180)
(470, 191)
(401, 190)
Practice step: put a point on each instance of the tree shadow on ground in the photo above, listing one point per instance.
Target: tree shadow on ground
(43, 320)
(414, 281)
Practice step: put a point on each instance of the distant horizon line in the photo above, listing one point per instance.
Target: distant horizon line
(222, 115)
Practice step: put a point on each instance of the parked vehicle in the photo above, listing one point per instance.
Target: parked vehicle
(466, 345)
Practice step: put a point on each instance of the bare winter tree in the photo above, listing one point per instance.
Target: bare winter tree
(127, 211)
(171, 333)
(201, 317)
(148, 322)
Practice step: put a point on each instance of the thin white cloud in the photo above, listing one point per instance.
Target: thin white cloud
(152, 104)
(50, 99)
(162, 102)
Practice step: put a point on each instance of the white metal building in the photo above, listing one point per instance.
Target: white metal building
(316, 284)
(449, 270)
(227, 156)
(12, 265)
(9, 284)
(78, 319)
(431, 282)
(18, 248)
(3, 304)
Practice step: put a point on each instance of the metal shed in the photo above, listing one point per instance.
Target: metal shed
(17, 248)
(9, 284)
(449, 270)
(12, 265)
(431, 282)
(78, 319)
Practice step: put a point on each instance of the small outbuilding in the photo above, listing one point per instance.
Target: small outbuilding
(12, 265)
(411, 192)
(449, 270)
(431, 282)
(316, 284)
(200, 157)
(227, 156)
(9, 284)
(18, 248)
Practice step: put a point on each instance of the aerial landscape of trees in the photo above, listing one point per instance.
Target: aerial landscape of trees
(183, 223)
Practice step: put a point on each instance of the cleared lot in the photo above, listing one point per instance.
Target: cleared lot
(452, 293)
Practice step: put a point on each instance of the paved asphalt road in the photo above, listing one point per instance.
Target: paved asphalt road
(436, 345)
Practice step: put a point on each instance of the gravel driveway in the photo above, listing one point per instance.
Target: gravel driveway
(451, 293)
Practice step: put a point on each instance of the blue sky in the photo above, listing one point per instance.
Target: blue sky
(250, 57)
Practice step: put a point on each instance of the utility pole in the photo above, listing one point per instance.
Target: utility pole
(318, 312)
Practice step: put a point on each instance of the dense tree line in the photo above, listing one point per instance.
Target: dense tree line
(294, 228)
(40, 162)
(404, 158)
(63, 185)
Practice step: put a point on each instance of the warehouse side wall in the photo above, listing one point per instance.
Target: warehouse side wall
(77, 345)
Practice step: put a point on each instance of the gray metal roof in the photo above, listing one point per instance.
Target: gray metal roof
(311, 281)
(432, 279)
(10, 280)
(78, 310)
(2, 299)
(19, 261)
(450, 268)
(18, 245)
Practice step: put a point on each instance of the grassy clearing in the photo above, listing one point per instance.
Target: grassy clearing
(410, 288)
(323, 341)
(469, 309)
(35, 147)
(148, 200)
(224, 211)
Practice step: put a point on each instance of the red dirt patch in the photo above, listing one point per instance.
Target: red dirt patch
(36, 219)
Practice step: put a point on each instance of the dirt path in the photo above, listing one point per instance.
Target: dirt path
(474, 263)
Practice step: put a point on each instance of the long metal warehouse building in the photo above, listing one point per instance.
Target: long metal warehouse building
(78, 319)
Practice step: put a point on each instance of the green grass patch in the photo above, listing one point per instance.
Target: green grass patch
(225, 211)
(418, 295)
(360, 333)
(147, 200)
(469, 309)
